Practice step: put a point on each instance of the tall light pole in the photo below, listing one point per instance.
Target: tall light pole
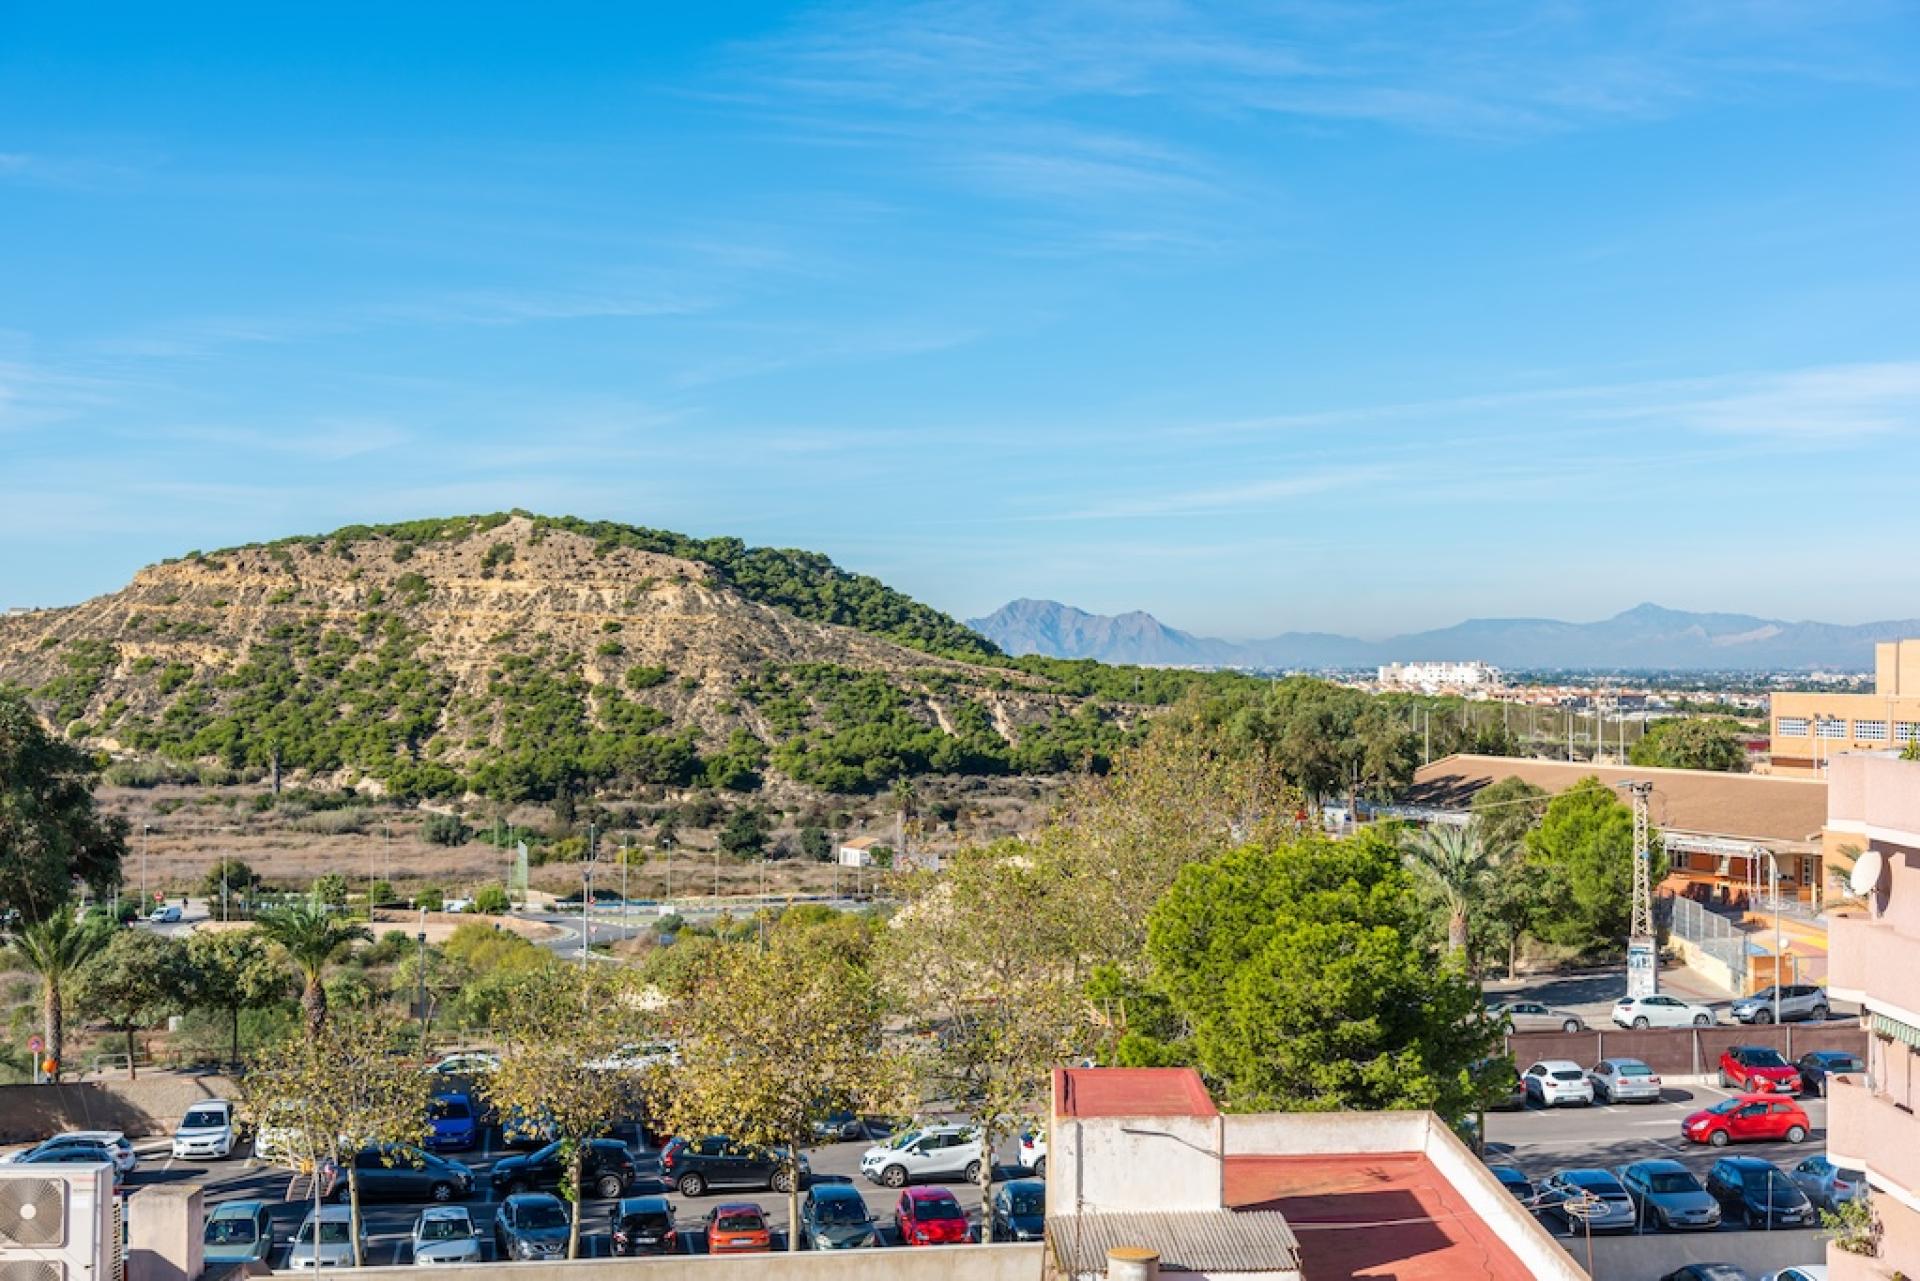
(420, 983)
(623, 881)
(388, 827)
(146, 847)
(1773, 866)
(586, 897)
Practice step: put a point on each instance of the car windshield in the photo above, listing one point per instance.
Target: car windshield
(840, 1210)
(904, 1138)
(1762, 1058)
(445, 1230)
(203, 1119)
(1672, 1181)
(1633, 1069)
(938, 1208)
(231, 1232)
(1772, 1184)
(739, 1221)
(332, 1232)
(541, 1214)
(1724, 1106)
(1029, 1203)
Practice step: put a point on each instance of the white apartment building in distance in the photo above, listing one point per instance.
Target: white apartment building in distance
(1441, 678)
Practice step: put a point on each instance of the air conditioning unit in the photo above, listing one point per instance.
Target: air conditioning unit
(59, 1223)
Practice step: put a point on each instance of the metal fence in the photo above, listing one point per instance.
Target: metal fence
(1713, 934)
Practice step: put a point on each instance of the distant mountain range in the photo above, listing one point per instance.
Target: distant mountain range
(1645, 637)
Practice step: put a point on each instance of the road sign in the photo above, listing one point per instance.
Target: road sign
(35, 1044)
(1643, 975)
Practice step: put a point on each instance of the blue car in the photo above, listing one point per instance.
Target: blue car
(834, 1216)
(455, 1128)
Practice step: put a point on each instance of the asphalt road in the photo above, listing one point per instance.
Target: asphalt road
(389, 1225)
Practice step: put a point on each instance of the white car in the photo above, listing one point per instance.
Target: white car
(467, 1063)
(112, 1140)
(206, 1132)
(445, 1234)
(929, 1152)
(1033, 1153)
(1660, 1011)
(1557, 1081)
(167, 915)
(335, 1248)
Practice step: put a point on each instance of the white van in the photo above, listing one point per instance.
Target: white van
(206, 1132)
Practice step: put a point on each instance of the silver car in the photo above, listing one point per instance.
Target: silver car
(1668, 1196)
(1797, 1001)
(334, 1248)
(1624, 1081)
(1827, 1185)
(1584, 1200)
(445, 1234)
(1531, 1016)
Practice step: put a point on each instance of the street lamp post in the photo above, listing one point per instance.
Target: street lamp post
(146, 847)
(420, 984)
(586, 896)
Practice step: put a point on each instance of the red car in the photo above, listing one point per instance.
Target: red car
(1757, 1069)
(930, 1216)
(738, 1227)
(1747, 1118)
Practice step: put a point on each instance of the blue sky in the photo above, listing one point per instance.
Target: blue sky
(1359, 317)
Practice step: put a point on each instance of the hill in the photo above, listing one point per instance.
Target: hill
(1647, 637)
(522, 657)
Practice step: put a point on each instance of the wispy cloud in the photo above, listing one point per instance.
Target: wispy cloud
(1212, 500)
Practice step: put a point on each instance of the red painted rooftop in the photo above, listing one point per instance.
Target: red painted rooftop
(1374, 1215)
(1090, 1092)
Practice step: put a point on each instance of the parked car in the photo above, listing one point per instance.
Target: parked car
(833, 1216)
(1816, 1066)
(1514, 1180)
(238, 1232)
(1033, 1153)
(278, 1143)
(168, 914)
(1747, 1118)
(445, 1234)
(930, 1152)
(606, 1169)
(1531, 1016)
(1552, 1082)
(531, 1225)
(324, 1240)
(454, 1127)
(1757, 1069)
(1706, 1272)
(930, 1216)
(738, 1227)
(1660, 1011)
(119, 1152)
(643, 1225)
(693, 1166)
(467, 1063)
(1019, 1211)
(520, 1129)
(1587, 1200)
(1756, 1192)
(1666, 1195)
(70, 1152)
(209, 1130)
(1797, 1001)
(1624, 1081)
(394, 1172)
(1827, 1185)
(1804, 1272)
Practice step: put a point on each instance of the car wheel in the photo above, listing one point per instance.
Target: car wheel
(894, 1176)
(1821, 1013)
(1718, 1138)
(1040, 1168)
(1571, 1025)
(1796, 1134)
(1640, 1022)
(972, 1174)
(691, 1185)
(442, 1191)
(608, 1186)
(782, 1182)
(1702, 1020)
(1724, 1083)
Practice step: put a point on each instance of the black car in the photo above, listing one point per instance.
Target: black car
(693, 1166)
(606, 1169)
(1755, 1192)
(1514, 1180)
(396, 1173)
(1817, 1065)
(1019, 1211)
(643, 1225)
(1706, 1272)
(532, 1225)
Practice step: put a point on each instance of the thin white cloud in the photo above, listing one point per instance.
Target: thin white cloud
(1835, 403)
(1213, 500)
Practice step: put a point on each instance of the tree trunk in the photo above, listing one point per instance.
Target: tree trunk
(1513, 953)
(1457, 931)
(235, 1060)
(793, 1197)
(314, 1002)
(986, 1181)
(133, 1073)
(353, 1210)
(575, 1160)
(51, 1015)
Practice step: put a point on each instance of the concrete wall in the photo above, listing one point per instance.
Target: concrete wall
(1521, 1231)
(1637, 1258)
(922, 1263)
(1131, 1163)
(1314, 1133)
(151, 1105)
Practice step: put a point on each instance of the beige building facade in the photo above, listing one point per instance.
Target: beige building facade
(1810, 729)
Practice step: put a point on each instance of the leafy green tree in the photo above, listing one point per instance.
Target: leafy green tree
(745, 833)
(230, 876)
(1456, 865)
(446, 829)
(136, 980)
(311, 937)
(51, 832)
(330, 888)
(55, 948)
(491, 900)
(1582, 853)
(233, 971)
(816, 844)
(1693, 742)
(1503, 814)
(1293, 973)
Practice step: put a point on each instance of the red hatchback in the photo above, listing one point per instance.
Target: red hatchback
(1747, 1118)
(1757, 1069)
(930, 1216)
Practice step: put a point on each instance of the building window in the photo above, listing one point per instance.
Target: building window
(1830, 729)
(1870, 731)
(1906, 731)
(1790, 727)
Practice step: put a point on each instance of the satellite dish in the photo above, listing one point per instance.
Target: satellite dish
(1866, 873)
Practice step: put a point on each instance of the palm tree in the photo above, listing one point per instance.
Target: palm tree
(55, 949)
(311, 936)
(1455, 862)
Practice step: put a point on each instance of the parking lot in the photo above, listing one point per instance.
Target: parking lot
(389, 1225)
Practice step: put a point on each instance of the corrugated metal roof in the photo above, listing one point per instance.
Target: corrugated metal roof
(1194, 1241)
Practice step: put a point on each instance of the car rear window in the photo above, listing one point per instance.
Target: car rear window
(645, 1223)
(1762, 1058)
(1565, 1074)
(1633, 1069)
(739, 1221)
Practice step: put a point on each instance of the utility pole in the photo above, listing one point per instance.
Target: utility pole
(146, 848)
(586, 897)
(1643, 947)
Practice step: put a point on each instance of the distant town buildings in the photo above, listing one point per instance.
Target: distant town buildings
(1811, 728)
(1441, 678)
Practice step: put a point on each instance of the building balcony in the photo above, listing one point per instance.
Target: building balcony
(1867, 1128)
(1870, 958)
(1875, 796)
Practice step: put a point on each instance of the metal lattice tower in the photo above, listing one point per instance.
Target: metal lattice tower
(1642, 924)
